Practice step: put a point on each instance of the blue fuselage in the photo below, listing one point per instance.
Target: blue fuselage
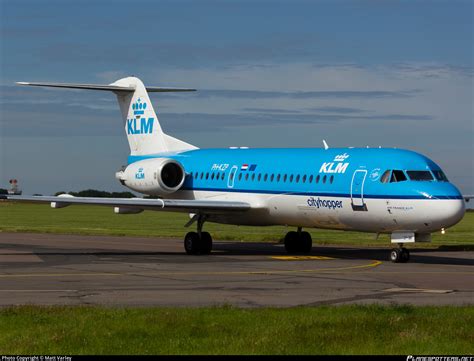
(373, 190)
(310, 171)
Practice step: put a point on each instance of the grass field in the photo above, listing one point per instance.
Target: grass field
(351, 329)
(226, 330)
(90, 220)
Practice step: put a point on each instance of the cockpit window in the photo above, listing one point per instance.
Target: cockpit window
(440, 176)
(385, 176)
(419, 175)
(398, 176)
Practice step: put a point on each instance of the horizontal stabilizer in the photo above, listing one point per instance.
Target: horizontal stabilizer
(114, 88)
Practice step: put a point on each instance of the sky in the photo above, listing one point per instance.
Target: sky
(268, 74)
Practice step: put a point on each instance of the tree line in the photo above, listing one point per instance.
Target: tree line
(97, 193)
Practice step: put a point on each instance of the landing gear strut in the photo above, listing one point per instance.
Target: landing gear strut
(298, 242)
(198, 242)
(399, 255)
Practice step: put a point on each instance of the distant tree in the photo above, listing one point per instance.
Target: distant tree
(3, 191)
(97, 193)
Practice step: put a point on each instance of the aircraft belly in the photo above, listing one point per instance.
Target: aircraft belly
(380, 215)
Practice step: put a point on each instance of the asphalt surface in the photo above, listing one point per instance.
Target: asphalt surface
(46, 269)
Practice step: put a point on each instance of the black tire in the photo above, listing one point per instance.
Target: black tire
(405, 256)
(191, 243)
(395, 255)
(205, 243)
(291, 242)
(305, 242)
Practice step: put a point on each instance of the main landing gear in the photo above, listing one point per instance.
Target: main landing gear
(198, 242)
(399, 255)
(298, 242)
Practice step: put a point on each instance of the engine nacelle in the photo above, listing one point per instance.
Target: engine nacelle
(157, 176)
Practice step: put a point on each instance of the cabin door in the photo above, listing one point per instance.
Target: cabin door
(230, 180)
(357, 190)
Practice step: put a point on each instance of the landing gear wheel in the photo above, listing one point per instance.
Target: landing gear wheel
(191, 243)
(405, 256)
(395, 255)
(291, 240)
(206, 243)
(399, 255)
(305, 242)
(298, 242)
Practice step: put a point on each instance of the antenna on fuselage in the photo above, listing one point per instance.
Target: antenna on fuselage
(326, 146)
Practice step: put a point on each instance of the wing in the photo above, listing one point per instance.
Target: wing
(468, 197)
(172, 205)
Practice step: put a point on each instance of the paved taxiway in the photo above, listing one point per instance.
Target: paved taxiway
(72, 269)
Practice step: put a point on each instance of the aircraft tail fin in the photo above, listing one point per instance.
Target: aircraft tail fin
(142, 127)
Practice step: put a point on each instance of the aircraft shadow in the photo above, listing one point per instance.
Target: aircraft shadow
(418, 255)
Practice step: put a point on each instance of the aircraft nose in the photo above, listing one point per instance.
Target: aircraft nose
(447, 207)
(453, 211)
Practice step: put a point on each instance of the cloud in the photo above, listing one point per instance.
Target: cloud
(253, 94)
(330, 109)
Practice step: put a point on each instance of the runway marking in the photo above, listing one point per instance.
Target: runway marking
(223, 273)
(38, 291)
(300, 258)
(8, 275)
(416, 290)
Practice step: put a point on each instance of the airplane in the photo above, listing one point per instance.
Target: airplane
(377, 190)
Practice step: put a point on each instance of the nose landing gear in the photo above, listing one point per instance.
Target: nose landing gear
(399, 255)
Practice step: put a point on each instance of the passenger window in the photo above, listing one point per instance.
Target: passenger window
(223, 176)
(291, 178)
(207, 175)
(247, 176)
(272, 177)
(259, 177)
(331, 179)
(317, 178)
(304, 178)
(240, 176)
(265, 178)
(385, 176)
(310, 178)
(297, 178)
(278, 178)
(324, 179)
(398, 176)
(284, 178)
(253, 176)
(212, 176)
(420, 175)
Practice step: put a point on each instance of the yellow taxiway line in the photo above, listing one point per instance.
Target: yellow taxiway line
(165, 273)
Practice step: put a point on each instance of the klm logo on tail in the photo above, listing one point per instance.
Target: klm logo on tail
(139, 124)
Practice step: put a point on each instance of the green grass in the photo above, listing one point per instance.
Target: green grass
(90, 220)
(227, 330)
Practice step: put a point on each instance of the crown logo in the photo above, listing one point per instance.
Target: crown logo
(341, 157)
(138, 108)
